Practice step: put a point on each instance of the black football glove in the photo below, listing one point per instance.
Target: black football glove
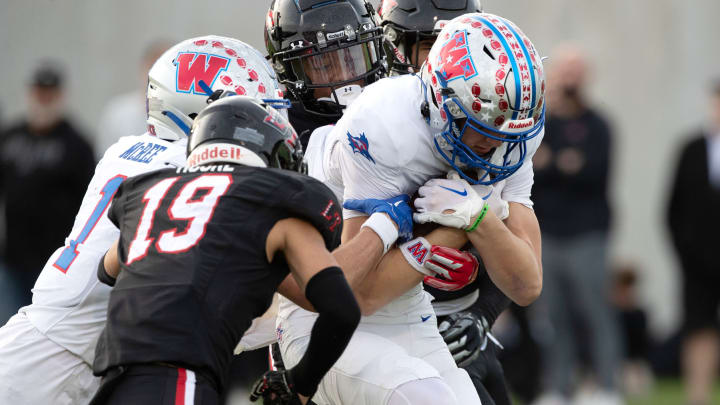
(275, 388)
(466, 336)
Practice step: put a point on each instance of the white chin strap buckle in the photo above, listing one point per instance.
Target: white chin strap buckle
(345, 95)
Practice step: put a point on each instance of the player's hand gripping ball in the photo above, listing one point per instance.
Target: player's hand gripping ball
(452, 203)
(454, 268)
(275, 388)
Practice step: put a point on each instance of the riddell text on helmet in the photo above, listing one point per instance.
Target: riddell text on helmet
(215, 152)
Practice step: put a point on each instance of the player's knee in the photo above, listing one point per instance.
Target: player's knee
(428, 391)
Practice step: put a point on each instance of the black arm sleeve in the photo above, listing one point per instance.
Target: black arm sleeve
(491, 301)
(330, 294)
(102, 274)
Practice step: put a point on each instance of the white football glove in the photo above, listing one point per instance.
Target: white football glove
(497, 205)
(449, 202)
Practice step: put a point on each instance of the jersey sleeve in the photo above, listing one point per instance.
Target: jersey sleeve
(361, 161)
(317, 204)
(115, 210)
(518, 187)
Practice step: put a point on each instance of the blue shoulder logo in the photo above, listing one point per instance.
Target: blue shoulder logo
(359, 144)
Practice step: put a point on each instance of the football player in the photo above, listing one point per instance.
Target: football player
(412, 26)
(465, 315)
(324, 52)
(203, 248)
(53, 340)
(318, 59)
(477, 109)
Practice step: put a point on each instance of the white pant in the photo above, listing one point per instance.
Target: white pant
(35, 370)
(382, 355)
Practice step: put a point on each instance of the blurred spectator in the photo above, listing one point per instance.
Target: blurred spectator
(694, 220)
(637, 377)
(45, 166)
(126, 114)
(571, 203)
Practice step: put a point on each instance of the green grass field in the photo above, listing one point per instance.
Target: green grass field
(668, 392)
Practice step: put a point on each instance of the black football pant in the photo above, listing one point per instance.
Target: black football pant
(155, 385)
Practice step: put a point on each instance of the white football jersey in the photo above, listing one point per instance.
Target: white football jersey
(383, 147)
(69, 303)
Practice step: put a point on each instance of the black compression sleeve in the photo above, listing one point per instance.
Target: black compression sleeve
(491, 301)
(330, 294)
(102, 274)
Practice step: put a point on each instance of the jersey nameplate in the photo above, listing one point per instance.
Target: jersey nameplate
(206, 169)
(143, 152)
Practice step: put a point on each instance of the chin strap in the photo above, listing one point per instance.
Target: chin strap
(178, 121)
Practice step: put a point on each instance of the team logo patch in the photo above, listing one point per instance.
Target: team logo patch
(192, 67)
(359, 144)
(418, 252)
(454, 58)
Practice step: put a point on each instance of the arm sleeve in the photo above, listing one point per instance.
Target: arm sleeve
(339, 315)
(317, 204)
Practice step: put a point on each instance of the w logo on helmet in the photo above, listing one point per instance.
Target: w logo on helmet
(454, 59)
(193, 67)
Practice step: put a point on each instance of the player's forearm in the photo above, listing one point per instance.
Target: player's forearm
(358, 258)
(111, 261)
(394, 276)
(359, 255)
(510, 261)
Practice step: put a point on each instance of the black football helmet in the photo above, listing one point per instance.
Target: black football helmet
(244, 130)
(408, 22)
(324, 45)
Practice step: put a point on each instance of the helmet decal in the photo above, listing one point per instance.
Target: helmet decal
(455, 58)
(182, 79)
(193, 67)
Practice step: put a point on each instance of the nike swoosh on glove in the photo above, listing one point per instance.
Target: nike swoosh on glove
(397, 208)
(449, 202)
(489, 193)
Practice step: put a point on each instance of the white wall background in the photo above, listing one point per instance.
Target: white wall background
(652, 63)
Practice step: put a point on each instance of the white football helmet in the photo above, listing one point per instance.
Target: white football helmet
(181, 81)
(484, 73)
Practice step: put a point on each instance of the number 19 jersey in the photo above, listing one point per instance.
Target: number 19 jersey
(195, 271)
(69, 303)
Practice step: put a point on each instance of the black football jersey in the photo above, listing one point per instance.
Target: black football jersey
(194, 268)
(306, 122)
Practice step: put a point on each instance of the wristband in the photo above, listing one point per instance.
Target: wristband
(480, 217)
(384, 227)
(416, 252)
